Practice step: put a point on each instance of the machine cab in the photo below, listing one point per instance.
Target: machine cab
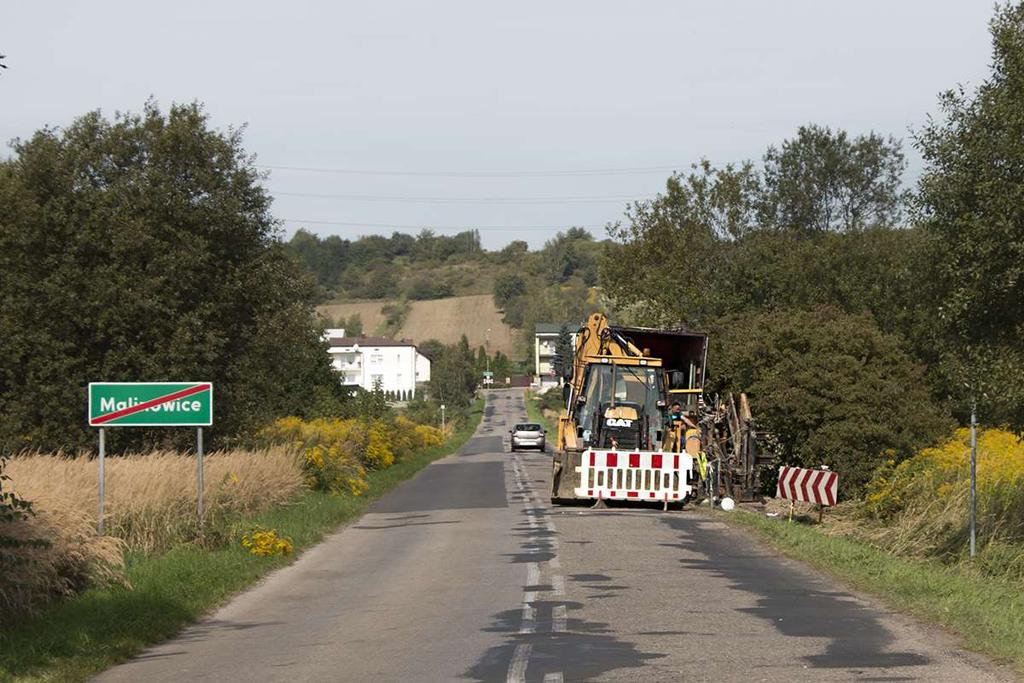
(620, 406)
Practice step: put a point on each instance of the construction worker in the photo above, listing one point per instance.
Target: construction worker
(676, 414)
(680, 422)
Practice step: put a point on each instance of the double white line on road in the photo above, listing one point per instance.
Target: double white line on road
(537, 520)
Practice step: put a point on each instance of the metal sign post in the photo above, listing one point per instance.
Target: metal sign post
(442, 417)
(199, 475)
(974, 472)
(103, 452)
(150, 404)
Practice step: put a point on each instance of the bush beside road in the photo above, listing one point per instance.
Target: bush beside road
(539, 409)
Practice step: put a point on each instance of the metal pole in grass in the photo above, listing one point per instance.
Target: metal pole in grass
(199, 474)
(974, 472)
(103, 452)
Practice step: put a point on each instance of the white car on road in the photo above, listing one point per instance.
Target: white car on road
(527, 435)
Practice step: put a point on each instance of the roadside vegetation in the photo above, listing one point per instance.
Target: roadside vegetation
(152, 594)
(920, 507)
(545, 408)
(150, 505)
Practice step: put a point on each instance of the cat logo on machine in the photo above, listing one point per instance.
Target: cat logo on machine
(618, 422)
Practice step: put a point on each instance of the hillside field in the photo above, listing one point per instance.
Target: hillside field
(445, 320)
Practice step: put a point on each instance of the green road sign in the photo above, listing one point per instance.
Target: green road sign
(488, 373)
(150, 404)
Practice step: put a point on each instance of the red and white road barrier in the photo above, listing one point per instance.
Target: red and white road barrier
(622, 475)
(808, 486)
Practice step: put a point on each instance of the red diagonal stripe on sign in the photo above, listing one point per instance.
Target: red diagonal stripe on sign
(139, 407)
(786, 493)
(830, 488)
(816, 494)
(780, 485)
(793, 495)
(803, 487)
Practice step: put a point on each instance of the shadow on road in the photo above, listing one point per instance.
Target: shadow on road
(581, 650)
(793, 601)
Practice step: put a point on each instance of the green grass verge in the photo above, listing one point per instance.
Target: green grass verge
(535, 414)
(987, 613)
(73, 640)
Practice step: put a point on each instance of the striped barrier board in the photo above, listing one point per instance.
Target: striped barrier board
(639, 475)
(808, 486)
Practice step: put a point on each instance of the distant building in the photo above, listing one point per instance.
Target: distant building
(361, 361)
(545, 342)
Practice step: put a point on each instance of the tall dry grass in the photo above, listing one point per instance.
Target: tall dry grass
(150, 507)
(58, 554)
(151, 497)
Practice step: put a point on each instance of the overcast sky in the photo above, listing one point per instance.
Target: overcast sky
(427, 89)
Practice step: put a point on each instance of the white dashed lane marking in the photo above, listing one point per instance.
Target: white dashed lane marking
(536, 520)
(520, 660)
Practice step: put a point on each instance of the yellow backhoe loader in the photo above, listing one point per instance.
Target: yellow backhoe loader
(635, 425)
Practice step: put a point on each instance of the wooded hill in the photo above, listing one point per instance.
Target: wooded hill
(554, 284)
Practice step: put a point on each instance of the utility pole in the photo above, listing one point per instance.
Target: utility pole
(974, 472)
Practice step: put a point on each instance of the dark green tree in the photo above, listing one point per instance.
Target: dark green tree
(431, 348)
(501, 366)
(452, 377)
(481, 361)
(707, 247)
(372, 404)
(143, 249)
(672, 250)
(325, 258)
(514, 251)
(507, 288)
(564, 257)
(354, 325)
(381, 281)
(424, 288)
(563, 352)
(824, 180)
(971, 203)
(831, 388)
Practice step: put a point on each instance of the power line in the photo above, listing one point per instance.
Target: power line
(617, 199)
(426, 226)
(640, 170)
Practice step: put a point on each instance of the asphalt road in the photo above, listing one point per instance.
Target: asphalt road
(467, 573)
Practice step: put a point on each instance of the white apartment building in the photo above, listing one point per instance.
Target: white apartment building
(545, 340)
(361, 361)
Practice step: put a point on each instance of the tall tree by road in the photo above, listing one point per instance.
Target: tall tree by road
(718, 240)
(972, 201)
(143, 248)
(823, 180)
(563, 351)
(672, 246)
